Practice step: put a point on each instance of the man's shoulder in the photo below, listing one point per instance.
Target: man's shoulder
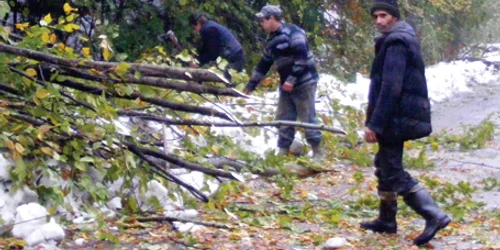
(289, 28)
(403, 33)
(209, 28)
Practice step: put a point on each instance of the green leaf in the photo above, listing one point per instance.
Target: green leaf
(4, 33)
(4, 8)
(80, 166)
(132, 205)
(20, 169)
(87, 159)
(42, 93)
(122, 68)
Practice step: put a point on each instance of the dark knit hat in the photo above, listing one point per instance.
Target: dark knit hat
(391, 6)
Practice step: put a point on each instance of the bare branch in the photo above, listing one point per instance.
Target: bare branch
(111, 93)
(137, 151)
(6, 88)
(168, 121)
(181, 163)
(171, 219)
(145, 69)
(190, 86)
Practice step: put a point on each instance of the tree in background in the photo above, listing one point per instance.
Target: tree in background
(338, 29)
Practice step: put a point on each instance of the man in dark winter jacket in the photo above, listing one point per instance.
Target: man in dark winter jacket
(217, 41)
(398, 110)
(287, 48)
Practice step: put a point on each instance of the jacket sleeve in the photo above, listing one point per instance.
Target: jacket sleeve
(266, 61)
(392, 83)
(298, 46)
(211, 43)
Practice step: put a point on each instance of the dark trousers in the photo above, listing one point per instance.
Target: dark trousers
(389, 167)
(300, 103)
(236, 62)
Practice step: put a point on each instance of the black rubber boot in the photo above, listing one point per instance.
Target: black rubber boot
(421, 202)
(386, 221)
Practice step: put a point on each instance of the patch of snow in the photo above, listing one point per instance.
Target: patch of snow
(187, 227)
(156, 189)
(80, 241)
(30, 225)
(49, 233)
(5, 164)
(182, 214)
(28, 218)
(334, 243)
(115, 204)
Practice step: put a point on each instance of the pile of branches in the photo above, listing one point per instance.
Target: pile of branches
(53, 100)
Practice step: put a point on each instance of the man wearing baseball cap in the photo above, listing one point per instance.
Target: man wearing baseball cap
(288, 49)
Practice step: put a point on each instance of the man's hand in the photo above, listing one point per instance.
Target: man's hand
(370, 136)
(193, 65)
(247, 91)
(287, 87)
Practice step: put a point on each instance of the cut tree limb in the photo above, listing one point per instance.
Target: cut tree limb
(137, 151)
(145, 69)
(169, 121)
(182, 163)
(171, 219)
(177, 85)
(133, 96)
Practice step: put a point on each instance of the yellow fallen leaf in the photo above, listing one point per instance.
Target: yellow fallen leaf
(71, 27)
(68, 9)
(106, 54)
(45, 37)
(53, 38)
(47, 19)
(20, 148)
(61, 46)
(31, 72)
(42, 93)
(10, 145)
(22, 26)
(86, 52)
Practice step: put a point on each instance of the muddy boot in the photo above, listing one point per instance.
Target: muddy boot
(283, 151)
(318, 152)
(386, 221)
(421, 202)
(297, 148)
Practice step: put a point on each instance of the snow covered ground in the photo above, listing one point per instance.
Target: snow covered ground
(31, 222)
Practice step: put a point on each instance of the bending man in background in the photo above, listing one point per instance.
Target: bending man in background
(216, 41)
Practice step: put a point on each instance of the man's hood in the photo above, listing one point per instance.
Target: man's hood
(402, 27)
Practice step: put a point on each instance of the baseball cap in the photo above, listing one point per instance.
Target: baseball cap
(269, 10)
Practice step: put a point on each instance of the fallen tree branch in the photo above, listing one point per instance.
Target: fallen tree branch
(470, 162)
(145, 69)
(192, 87)
(171, 219)
(182, 163)
(137, 151)
(141, 152)
(6, 88)
(114, 94)
(485, 61)
(221, 162)
(168, 121)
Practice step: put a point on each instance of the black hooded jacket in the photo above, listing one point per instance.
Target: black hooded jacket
(398, 103)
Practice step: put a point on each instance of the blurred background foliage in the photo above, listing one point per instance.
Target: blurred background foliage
(340, 31)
